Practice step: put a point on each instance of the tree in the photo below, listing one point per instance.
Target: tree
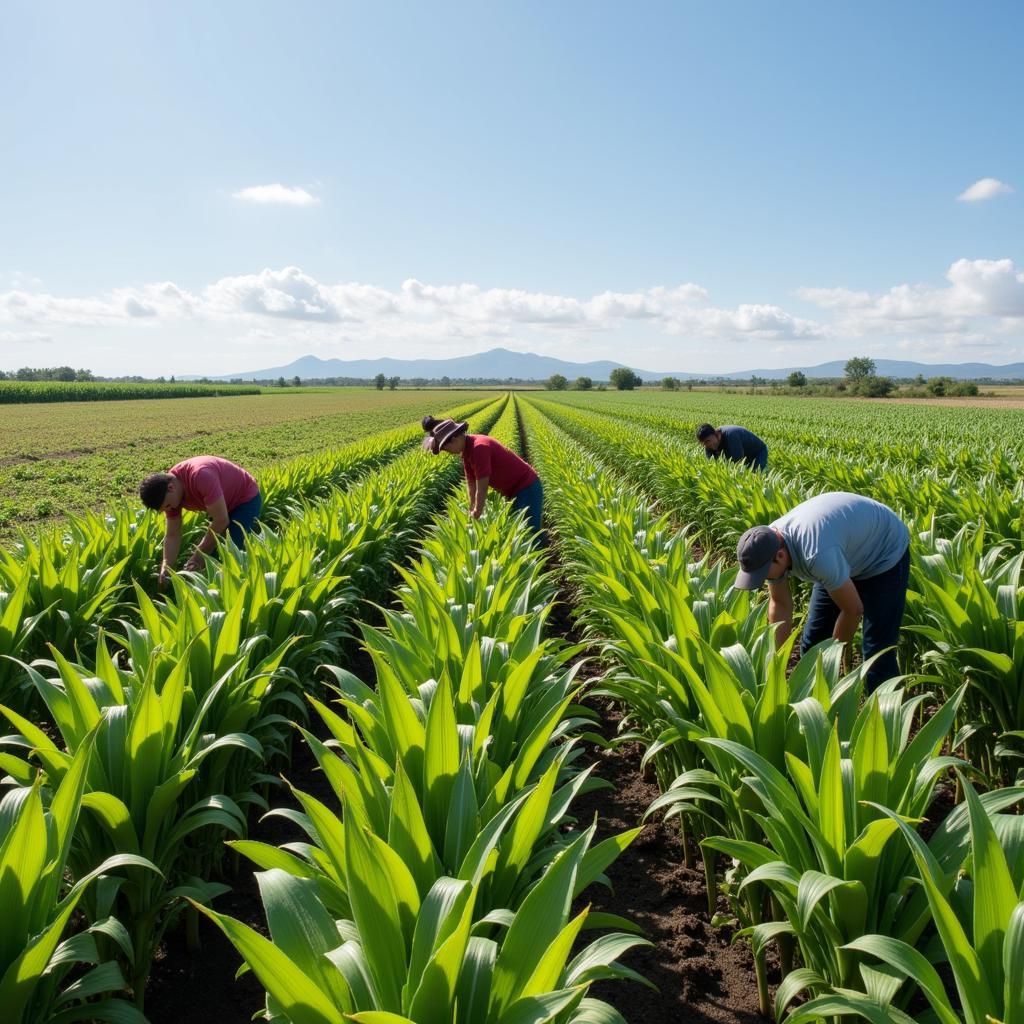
(393, 382)
(379, 381)
(874, 387)
(624, 379)
(556, 382)
(281, 382)
(583, 384)
(858, 368)
(797, 379)
(446, 381)
(669, 384)
(296, 381)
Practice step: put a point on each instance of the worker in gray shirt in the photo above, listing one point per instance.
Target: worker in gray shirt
(856, 552)
(736, 443)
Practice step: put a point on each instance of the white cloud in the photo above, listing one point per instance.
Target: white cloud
(977, 288)
(277, 193)
(24, 338)
(984, 188)
(278, 313)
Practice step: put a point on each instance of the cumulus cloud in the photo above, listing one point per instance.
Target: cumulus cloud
(984, 188)
(289, 294)
(979, 304)
(277, 193)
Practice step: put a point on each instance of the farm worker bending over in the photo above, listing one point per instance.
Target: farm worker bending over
(736, 443)
(487, 463)
(856, 552)
(229, 495)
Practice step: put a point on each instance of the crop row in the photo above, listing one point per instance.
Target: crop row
(167, 736)
(23, 391)
(805, 797)
(61, 587)
(443, 892)
(962, 441)
(964, 614)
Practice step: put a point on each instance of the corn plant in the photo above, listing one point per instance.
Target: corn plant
(978, 919)
(405, 959)
(967, 604)
(140, 797)
(36, 837)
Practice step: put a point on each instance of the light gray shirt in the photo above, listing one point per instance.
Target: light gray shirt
(839, 536)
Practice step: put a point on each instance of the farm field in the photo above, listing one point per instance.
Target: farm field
(74, 457)
(365, 756)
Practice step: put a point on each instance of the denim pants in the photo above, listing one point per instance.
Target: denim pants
(883, 597)
(530, 498)
(243, 518)
(759, 461)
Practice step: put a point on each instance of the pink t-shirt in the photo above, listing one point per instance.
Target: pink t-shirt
(206, 478)
(485, 457)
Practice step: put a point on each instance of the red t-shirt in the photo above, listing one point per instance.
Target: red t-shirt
(485, 457)
(207, 478)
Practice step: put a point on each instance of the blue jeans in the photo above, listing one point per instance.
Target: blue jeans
(883, 597)
(243, 518)
(759, 461)
(530, 498)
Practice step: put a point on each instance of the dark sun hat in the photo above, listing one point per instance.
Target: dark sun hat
(441, 434)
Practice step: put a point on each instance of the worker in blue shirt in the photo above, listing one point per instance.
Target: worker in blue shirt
(736, 443)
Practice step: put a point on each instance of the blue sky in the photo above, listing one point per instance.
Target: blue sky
(705, 186)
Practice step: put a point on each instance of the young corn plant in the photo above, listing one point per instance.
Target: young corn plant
(803, 809)
(36, 958)
(405, 959)
(967, 605)
(145, 792)
(977, 909)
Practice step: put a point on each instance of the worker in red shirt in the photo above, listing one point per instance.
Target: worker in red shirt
(225, 492)
(488, 463)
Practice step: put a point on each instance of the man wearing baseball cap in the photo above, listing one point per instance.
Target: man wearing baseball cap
(737, 444)
(856, 552)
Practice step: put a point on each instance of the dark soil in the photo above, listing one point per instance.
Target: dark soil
(700, 976)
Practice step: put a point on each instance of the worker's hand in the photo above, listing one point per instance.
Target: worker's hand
(195, 563)
(475, 513)
(162, 577)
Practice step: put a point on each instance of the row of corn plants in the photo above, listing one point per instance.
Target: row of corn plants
(963, 613)
(176, 722)
(805, 798)
(959, 443)
(62, 587)
(444, 889)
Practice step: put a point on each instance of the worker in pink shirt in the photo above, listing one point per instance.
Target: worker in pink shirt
(488, 464)
(226, 492)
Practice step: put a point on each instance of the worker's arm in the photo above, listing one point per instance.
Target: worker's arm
(480, 498)
(172, 545)
(780, 609)
(851, 611)
(219, 520)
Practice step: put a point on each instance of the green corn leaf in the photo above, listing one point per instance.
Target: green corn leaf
(297, 995)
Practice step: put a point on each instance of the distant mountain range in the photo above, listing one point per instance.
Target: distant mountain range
(502, 364)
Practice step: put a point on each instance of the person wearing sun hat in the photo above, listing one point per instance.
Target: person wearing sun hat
(488, 464)
(856, 552)
(737, 444)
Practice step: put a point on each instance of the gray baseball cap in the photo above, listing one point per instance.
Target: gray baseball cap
(754, 552)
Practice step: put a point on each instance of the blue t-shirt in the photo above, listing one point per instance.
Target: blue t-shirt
(839, 536)
(737, 444)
